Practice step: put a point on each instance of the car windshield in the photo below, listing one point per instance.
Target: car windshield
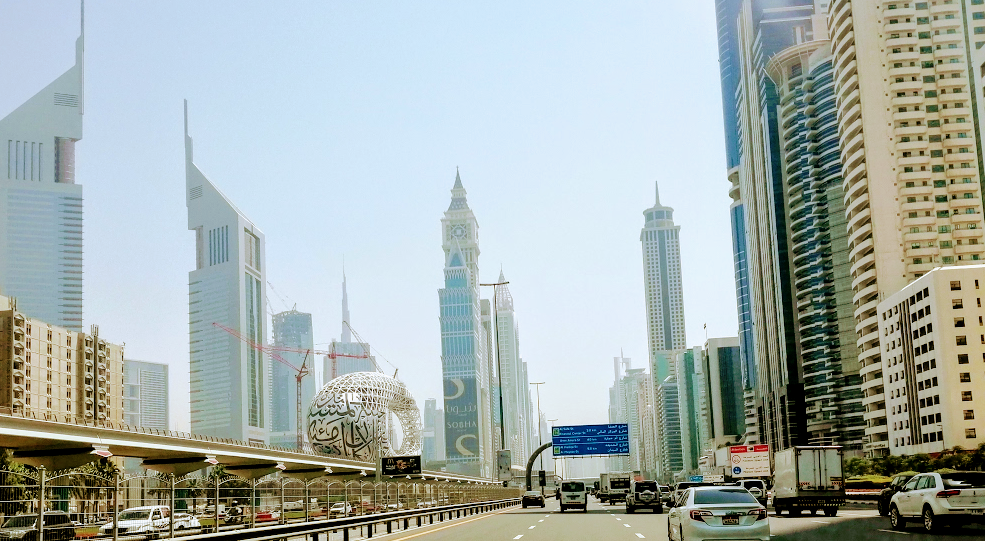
(971, 479)
(572, 486)
(724, 495)
(643, 486)
(135, 515)
(22, 521)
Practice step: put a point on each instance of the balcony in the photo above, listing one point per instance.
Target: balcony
(922, 268)
(966, 249)
(967, 233)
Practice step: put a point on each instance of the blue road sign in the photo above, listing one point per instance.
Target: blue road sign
(587, 440)
(736, 470)
(697, 478)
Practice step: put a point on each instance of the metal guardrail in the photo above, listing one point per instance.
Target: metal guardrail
(422, 517)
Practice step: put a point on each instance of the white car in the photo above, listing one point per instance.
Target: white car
(185, 521)
(146, 520)
(938, 499)
(340, 509)
(717, 512)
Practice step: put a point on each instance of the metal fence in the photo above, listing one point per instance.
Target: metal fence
(86, 502)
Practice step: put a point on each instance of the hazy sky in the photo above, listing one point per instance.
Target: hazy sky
(336, 127)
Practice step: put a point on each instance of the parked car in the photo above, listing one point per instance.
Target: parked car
(340, 509)
(886, 494)
(146, 520)
(532, 497)
(717, 512)
(57, 526)
(939, 499)
(644, 495)
(185, 521)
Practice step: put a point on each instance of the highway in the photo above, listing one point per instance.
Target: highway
(611, 523)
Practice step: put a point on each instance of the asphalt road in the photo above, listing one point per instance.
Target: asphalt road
(611, 523)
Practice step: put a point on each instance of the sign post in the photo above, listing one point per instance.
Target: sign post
(749, 460)
(504, 465)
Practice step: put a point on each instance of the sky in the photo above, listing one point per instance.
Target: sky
(337, 128)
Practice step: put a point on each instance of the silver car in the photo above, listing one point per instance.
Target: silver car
(717, 513)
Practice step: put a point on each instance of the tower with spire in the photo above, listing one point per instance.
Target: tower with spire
(463, 343)
(347, 356)
(40, 201)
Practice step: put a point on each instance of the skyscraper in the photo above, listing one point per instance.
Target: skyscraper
(662, 279)
(145, 394)
(462, 341)
(670, 453)
(911, 157)
(40, 203)
(228, 391)
(516, 394)
(291, 329)
(617, 407)
(693, 407)
(347, 356)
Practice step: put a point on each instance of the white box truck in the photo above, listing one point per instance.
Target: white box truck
(618, 486)
(603, 487)
(808, 477)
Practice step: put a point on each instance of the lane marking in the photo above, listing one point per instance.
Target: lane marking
(531, 528)
(640, 536)
(893, 531)
(627, 525)
(541, 520)
(518, 537)
(821, 521)
(617, 518)
(449, 526)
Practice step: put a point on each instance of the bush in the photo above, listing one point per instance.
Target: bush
(863, 482)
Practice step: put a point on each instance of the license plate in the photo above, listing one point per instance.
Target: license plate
(976, 511)
(730, 521)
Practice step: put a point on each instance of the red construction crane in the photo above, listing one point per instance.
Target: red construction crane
(299, 373)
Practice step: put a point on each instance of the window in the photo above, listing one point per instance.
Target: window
(961, 340)
(957, 304)
(970, 433)
(955, 284)
(252, 250)
(966, 396)
(962, 358)
(959, 322)
(965, 377)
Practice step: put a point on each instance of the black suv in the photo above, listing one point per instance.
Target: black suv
(57, 526)
(644, 495)
(886, 494)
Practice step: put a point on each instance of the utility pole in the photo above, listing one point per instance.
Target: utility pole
(540, 436)
(499, 367)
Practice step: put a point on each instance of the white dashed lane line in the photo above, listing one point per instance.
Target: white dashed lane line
(541, 520)
(518, 537)
(627, 525)
(894, 531)
(640, 536)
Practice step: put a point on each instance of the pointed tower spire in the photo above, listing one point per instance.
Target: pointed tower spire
(458, 201)
(656, 189)
(346, 333)
(458, 180)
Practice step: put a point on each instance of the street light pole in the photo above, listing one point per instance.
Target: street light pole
(499, 367)
(540, 437)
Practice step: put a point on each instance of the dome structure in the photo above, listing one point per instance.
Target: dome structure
(353, 409)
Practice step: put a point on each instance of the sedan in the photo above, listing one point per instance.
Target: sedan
(717, 513)
(531, 498)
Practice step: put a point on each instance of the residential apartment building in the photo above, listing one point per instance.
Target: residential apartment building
(145, 394)
(903, 75)
(40, 201)
(228, 377)
(53, 372)
(932, 341)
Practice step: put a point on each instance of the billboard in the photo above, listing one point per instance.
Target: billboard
(402, 465)
(461, 420)
(749, 460)
(504, 465)
(588, 440)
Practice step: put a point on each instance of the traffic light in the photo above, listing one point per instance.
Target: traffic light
(543, 478)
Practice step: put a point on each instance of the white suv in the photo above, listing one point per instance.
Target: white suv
(938, 499)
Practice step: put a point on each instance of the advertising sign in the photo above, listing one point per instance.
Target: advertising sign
(461, 419)
(504, 465)
(749, 460)
(696, 478)
(587, 440)
(402, 465)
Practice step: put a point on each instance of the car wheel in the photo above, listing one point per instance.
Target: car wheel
(524, 506)
(883, 508)
(896, 521)
(830, 511)
(931, 523)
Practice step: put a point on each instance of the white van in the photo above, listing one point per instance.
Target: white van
(573, 496)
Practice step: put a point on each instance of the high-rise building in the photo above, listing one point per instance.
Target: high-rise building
(145, 394)
(492, 375)
(291, 329)
(228, 394)
(662, 279)
(618, 408)
(432, 448)
(932, 343)
(40, 202)
(670, 453)
(346, 356)
(818, 241)
(762, 29)
(516, 392)
(48, 370)
(721, 367)
(743, 297)
(693, 407)
(467, 417)
(911, 158)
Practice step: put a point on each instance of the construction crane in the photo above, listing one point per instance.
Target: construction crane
(299, 373)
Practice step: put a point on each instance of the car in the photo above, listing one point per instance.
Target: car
(679, 488)
(644, 495)
(57, 526)
(886, 494)
(145, 520)
(185, 521)
(340, 509)
(756, 487)
(939, 499)
(573, 495)
(531, 498)
(665, 493)
(717, 512)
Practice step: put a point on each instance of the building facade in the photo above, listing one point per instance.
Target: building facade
(721, 366)
(903, 74)
(41, 203)
(229, 395)
(693, 407)
(932, 340)
(662, 279)
(346, 356)
(516, 392)
(670, 453)
(145, 394)
(47, 370)
(467, 418)
(293, 330)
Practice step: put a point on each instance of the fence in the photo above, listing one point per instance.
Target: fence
(86, 502)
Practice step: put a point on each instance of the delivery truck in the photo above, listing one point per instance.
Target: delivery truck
(603, 488)
(808, 478)
(618, 486)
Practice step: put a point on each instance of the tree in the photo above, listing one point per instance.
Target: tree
(977, 459)
(888, 465)
(856, 466)
(920, 462)
(14, 484)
